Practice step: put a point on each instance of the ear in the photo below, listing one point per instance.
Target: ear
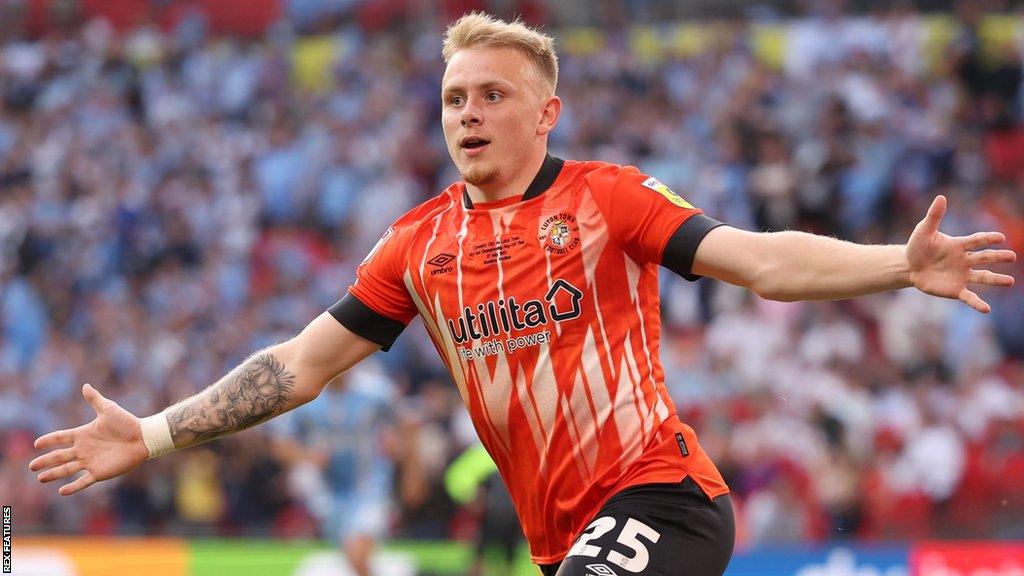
(549, 117)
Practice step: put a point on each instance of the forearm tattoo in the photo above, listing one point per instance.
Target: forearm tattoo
(254, 392)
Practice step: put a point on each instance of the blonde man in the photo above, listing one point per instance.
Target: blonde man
(537, 281)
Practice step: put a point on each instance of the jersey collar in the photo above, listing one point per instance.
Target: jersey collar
(545, 177)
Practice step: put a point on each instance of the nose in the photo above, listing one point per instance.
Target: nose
(470, 115)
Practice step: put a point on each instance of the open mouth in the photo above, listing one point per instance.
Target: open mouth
(472, 142)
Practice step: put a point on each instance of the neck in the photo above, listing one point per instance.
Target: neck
(511, 186)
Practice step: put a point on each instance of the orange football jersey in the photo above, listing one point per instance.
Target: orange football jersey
(545, 310)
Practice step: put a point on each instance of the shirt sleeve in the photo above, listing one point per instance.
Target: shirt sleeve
(649, 220)
(378, 305)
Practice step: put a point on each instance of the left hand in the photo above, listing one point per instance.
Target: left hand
(943, 265)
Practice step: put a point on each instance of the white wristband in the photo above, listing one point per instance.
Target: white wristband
(156, 435)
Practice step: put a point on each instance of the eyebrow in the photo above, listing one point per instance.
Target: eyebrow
(483, 86)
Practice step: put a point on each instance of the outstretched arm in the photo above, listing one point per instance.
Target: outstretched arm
(792, 266)
(269, 383)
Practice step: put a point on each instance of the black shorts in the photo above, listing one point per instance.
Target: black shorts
(654, 530)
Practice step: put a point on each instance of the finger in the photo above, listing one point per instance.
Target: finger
(83, 482)
(989, 277)
(981, 240)
(972, 300)
(96, 400)
(991, 257)
(62, 471)
(54, 439)
(51, 459)
(935, 213)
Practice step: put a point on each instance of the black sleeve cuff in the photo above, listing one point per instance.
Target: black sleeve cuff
(351, 313)
(682, 246)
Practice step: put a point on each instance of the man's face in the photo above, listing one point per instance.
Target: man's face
(493, 104)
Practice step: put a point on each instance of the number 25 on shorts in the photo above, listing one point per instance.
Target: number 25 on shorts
(629, 537)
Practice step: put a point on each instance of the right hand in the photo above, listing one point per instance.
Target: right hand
(107, 447)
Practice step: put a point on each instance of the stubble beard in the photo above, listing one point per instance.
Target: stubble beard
(480, 176)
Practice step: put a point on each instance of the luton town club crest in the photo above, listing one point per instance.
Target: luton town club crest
(559, 234)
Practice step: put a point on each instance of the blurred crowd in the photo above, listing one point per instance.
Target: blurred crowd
(172, 200)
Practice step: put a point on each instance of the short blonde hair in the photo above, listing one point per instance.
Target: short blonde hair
(481, 29)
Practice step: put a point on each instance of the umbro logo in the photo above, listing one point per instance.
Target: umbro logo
(601, 570)
(440, 263)
(441, 259)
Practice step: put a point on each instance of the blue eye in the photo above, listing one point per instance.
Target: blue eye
(493, 96)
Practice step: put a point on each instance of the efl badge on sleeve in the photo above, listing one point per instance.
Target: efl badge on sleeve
(657, 186)
(387, 234)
